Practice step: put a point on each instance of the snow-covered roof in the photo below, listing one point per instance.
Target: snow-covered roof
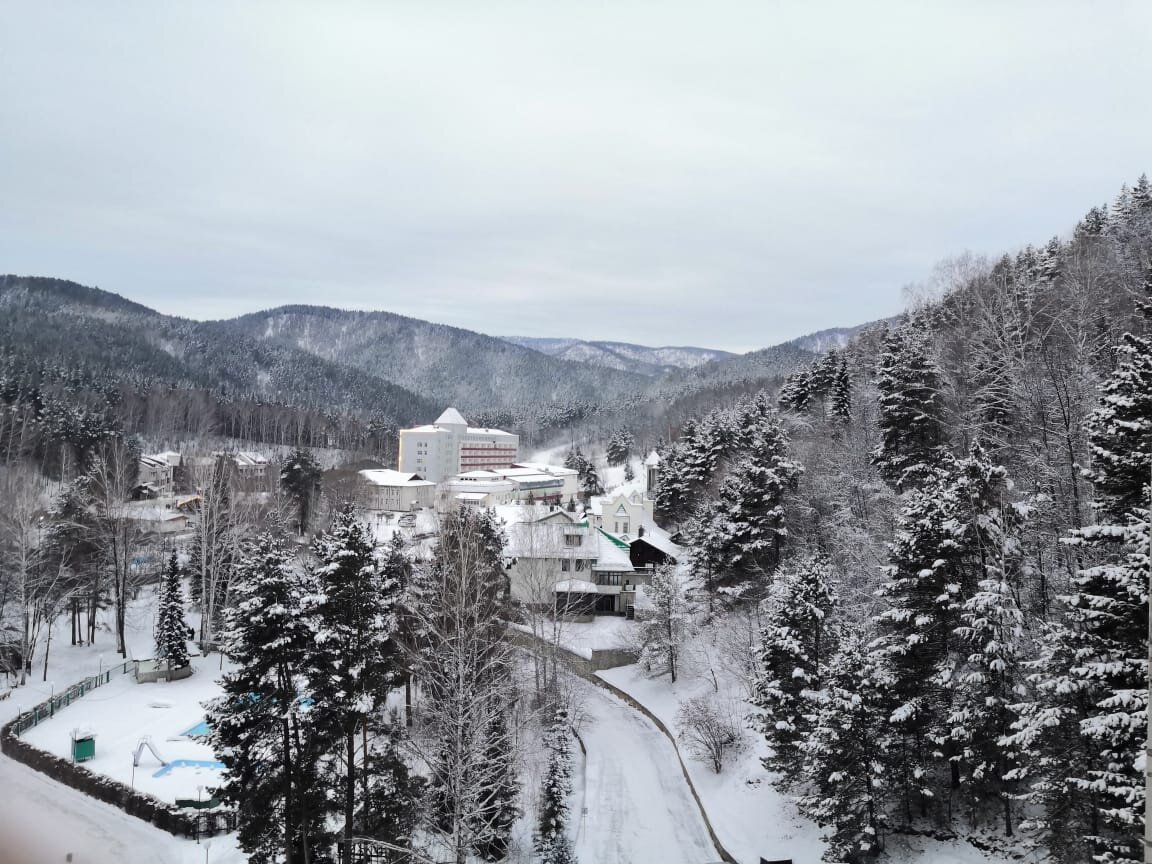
(451, 417)
(548, 539)
(653, 458)
(471, 496)
(545, 468)
(478, 474)
(495, 433)
(389, 477)
(612, 553)
(576, 586)
(656, 541)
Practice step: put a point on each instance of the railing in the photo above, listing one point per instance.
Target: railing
(164, 816)
(48, 708)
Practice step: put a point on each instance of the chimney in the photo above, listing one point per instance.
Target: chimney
(640, 531)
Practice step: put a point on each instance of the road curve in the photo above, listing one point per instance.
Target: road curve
(638, 807)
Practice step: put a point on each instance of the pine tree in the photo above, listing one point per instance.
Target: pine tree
(355, 658)
(629, 472)
(300, 478)
(590, 484)
(392, 796)
(665, 626)
(796, 644)
(740, 533)
(911, 421)
(552, 843)
(259, 728)
(846, 753)
(171, 631)
(981, 672)
(1085, 727)
(842, 392)
(620, 446)
(796, 393)
(917, 633)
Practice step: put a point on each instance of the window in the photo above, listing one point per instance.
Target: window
(565, 565)
(573, 539)
(579, 564)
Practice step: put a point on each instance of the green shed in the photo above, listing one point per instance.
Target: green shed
(83, 745)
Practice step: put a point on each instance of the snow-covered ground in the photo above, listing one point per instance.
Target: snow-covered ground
(604, 631)
(751, 817)
(41, 822)
(630, 800)
(122, 713)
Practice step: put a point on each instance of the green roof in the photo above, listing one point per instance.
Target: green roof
(616, 541)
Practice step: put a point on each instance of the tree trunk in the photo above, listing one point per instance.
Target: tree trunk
(350, 795)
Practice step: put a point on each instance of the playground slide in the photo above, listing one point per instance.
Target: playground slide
(146, 741)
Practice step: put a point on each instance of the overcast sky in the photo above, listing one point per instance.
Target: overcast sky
(708, 173)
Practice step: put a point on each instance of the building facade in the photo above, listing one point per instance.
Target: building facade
(385, 489)
(450, 447)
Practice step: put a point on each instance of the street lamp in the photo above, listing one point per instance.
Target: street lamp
(199, 791)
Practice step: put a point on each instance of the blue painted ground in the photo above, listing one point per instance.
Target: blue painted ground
(189, 763)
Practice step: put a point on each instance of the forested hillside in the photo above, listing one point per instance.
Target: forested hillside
(446, 364)
(76, 359)
(652, 362)
(945, 532)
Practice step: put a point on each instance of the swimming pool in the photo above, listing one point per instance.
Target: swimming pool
(189, 763)
(200, 730)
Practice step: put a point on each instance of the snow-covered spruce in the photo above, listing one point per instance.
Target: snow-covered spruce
(171, 632)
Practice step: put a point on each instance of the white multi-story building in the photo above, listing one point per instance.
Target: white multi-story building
(450, 447)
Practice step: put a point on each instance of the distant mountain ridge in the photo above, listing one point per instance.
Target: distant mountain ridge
(451, 365)
(625, 356)
(373, 364)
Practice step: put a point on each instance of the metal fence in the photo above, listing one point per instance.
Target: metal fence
(47, 709)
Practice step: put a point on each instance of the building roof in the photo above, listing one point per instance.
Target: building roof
(494, 433)
(478, 474)
(389, 477)
(653, 458)
(612, 553)
(451, 417)
(471, 496)
(544, 468)
(659, 540)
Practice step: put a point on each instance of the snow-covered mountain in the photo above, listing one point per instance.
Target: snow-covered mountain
(624, 356)
(825, 340)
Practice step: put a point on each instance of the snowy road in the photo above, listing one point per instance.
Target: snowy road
(639, 807)
(41, 821)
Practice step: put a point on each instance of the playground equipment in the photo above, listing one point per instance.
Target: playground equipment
(146, 741)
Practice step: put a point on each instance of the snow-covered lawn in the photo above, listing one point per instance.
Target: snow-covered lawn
(751, 817)
(122, 712)
(604, 631)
